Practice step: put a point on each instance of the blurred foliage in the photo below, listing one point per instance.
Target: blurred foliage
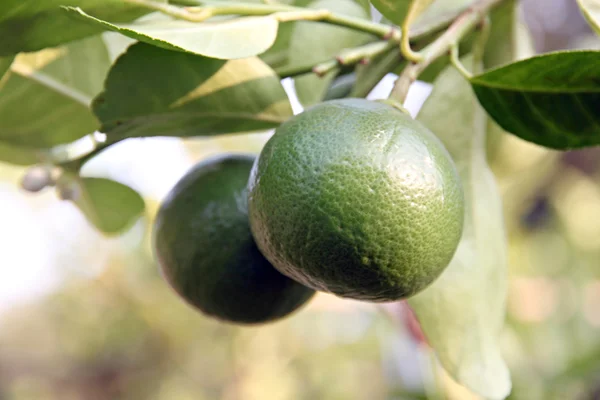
(122, 333)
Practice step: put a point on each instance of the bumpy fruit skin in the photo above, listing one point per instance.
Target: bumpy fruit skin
(358, 199)
(203, 244)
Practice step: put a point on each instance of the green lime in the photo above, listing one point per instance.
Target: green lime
(203, 244)
(358, 199)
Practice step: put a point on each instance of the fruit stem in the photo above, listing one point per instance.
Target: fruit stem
(455, 61)
(462, 25)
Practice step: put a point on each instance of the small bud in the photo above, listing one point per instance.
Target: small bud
(36, 179)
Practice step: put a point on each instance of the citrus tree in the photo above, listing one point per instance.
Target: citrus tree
(351, 197)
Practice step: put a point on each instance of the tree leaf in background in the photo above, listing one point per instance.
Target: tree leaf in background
(368, 76)
(304, 50)
(462, 312)
(156, 92)
(550, 99)
(591, 11)
(34, 25)
(439, 10)
(278, 54)
(416, 9)
(110, 206)
(229, 39)
(45, 99)
(394, 10)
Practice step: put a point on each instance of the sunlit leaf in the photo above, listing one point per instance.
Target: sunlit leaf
(591, 11)
(304, 50)
(156, 92)
(45, 99)
(34, 25)
(229, 39)
(552, 99)
(110, 206)
(463, 311)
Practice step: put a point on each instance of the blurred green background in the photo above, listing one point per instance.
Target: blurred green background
(87, 317)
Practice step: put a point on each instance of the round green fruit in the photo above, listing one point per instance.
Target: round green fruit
(203, 244)
(358, 199)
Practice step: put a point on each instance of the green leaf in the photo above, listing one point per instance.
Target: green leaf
(33, 25)
(305, 50)
(45, 99)
(228, 39)
(591, 11)
(424, 12)
(552, 99)
(439, 9)
(416, 10)
(278, 54)
(394, 10)
(462, 312)
(156, 92)
(110, 206)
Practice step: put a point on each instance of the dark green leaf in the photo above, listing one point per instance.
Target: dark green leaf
(34, 25)
(110, 206)
(462, 312)
(552, 100)
(229, 39)
(305, 50)
(591, 11)
(45, 99)
(155, 92)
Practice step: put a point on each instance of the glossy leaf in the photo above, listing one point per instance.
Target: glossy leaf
(110, 206)
(45, 99)
(156, 92)
(552, 100)
(228, 39)
(462, 312)
(34, 25)
(591, 11)
(305, 50)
